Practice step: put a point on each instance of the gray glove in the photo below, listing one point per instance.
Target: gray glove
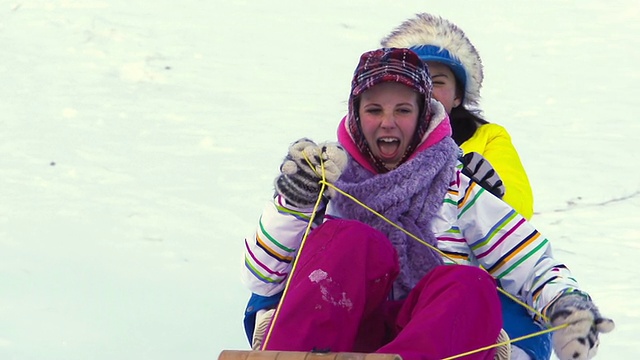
(480, 170)
(298, 183)
(579, 340)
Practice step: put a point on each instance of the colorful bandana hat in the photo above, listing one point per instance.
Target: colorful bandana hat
(389, 65)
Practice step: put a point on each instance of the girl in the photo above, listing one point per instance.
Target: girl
(456, 70)
(362, 284)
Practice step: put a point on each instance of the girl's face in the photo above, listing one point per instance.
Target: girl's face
(389, 116)
(444, 85)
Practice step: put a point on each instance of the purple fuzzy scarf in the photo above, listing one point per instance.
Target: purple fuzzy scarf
(409, 196)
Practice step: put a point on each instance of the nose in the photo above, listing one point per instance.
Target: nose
(388, 121)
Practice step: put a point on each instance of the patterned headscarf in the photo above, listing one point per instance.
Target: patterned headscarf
(389, 65)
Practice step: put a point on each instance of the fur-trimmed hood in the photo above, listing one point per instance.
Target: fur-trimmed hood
(436, 39)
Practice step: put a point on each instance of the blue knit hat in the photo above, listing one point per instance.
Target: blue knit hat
(442, 55)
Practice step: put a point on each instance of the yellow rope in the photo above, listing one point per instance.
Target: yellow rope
(512, 297)
(324, 184)
(429, 245)
(304, 239)
(507, 342)
(385, 219)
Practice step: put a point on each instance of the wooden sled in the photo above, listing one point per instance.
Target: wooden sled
(300, 355)
(503, 353)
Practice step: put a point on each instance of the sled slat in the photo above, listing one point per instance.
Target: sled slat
(301, 355)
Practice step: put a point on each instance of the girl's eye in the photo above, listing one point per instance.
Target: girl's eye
(404, 111)
(373, 110)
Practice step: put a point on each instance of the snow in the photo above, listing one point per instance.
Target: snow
(140, 139)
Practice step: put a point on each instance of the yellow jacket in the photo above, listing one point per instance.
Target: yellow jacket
(494, 143)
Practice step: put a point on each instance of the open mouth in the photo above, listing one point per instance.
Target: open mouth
(388, 147)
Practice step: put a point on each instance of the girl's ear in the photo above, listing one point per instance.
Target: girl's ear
(459, 95)
(457, 101)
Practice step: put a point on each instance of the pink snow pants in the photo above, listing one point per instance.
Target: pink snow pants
(337, 301)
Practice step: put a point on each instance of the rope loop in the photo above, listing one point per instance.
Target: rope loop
(324, 184)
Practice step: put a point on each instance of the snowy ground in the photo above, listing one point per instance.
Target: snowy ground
(140, 139)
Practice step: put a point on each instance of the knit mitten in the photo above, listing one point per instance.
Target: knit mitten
(579, 340)
(480, 170)
(298, 181)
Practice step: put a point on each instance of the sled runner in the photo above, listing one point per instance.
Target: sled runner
(300, 355)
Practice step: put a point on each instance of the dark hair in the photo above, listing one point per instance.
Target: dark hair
(464, 122)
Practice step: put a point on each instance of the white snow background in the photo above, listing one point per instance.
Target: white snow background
(139, 141)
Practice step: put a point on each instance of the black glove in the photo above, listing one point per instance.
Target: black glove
(298, 183)
(480, 170)
(579, 340)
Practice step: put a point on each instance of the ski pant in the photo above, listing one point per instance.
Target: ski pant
(337, 301)
(517, 322)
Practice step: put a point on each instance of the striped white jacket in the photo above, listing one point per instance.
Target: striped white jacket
(473, 227)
